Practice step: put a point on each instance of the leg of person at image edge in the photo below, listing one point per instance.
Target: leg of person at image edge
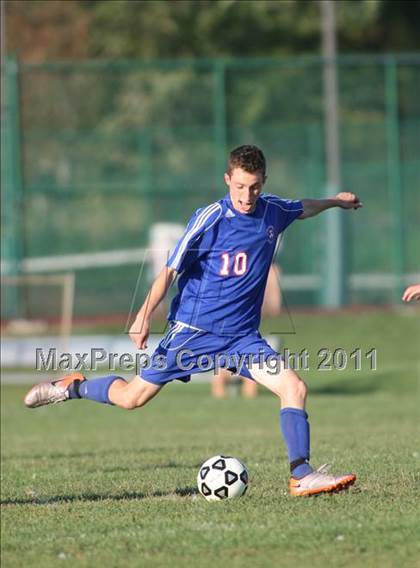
(294, 424)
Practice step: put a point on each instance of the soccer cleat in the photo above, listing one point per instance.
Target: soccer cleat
(320, 481)
(51, 392)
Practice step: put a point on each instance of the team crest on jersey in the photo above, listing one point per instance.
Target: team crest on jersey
(270, 234)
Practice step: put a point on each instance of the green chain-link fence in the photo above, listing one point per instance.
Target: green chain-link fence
(96, 152)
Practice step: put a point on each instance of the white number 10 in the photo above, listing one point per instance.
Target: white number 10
(240, 264)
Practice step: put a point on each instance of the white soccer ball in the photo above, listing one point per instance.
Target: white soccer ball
(222, 477)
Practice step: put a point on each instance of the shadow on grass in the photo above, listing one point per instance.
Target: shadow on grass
(345, 388)
(94, 497)
(169, 465)
(358, 385)
(95, 454)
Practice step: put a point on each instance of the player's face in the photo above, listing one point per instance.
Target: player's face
(244, 189)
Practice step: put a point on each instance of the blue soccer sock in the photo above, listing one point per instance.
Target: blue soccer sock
(95, 389)
(295, 429)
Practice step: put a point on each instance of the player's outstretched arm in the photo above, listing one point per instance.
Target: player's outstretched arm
(139, 331)
(344, 200)
(411, 293)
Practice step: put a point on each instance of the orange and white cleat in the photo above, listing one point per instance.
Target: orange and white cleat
(320, 481)
(51, 392)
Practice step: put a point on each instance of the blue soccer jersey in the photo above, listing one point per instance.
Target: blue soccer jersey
(223, 259)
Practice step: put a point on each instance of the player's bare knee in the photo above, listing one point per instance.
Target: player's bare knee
(128, 403)
(302, 389)
(138, 400)
(141, 402)
(294, 387)
(299, 389)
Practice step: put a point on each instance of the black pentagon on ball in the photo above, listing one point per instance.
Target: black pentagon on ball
(230, 477)
(205, 490)
(204, 471)
(222, 492)
(219, 464)
(244, 477)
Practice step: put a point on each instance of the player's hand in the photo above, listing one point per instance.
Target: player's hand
(411, 293)
(347, 200)
(139, 331)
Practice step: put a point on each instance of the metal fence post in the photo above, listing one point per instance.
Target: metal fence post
(394, 174)
(219, 113)
(145, 142)
(11, 180)
(333, 288)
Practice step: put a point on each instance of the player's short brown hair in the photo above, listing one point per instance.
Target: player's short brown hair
(248, 158)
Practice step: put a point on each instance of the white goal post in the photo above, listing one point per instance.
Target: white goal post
(65, 281)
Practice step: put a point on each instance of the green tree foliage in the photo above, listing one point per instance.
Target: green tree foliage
(39, 30)
(51, 29)
(208, 28)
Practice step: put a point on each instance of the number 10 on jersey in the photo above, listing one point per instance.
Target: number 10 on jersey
(237, 267)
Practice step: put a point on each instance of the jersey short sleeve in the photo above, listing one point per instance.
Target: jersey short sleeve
(187, 250)
(285, 210)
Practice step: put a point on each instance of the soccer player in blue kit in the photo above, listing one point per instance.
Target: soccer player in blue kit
(222, 260)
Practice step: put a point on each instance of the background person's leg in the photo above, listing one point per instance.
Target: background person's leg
(219, 382)
(272, 296)
(249, 388)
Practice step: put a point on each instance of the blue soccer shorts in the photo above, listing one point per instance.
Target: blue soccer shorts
(185, 351)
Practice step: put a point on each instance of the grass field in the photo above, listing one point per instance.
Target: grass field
(88, 485)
